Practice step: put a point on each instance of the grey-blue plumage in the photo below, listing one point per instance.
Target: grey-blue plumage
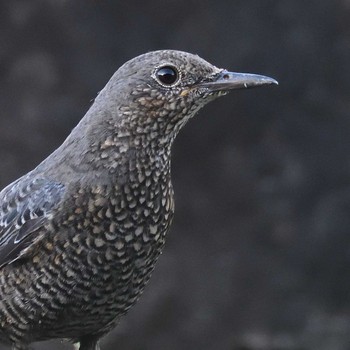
(26, 208)
(81, 233)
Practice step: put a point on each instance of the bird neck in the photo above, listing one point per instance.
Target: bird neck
(129, 153)
(124, 149)
(108, 140)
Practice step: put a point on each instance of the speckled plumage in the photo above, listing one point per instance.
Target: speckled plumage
(81, 233)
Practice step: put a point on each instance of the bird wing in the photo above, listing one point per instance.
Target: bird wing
(25, 207)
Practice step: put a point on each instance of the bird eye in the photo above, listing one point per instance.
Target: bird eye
(167, 75)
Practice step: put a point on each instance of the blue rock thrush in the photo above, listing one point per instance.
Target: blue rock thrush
(81, 233)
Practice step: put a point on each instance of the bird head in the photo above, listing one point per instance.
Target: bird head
(158, 92)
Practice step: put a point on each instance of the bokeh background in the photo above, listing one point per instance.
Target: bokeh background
(258, 257)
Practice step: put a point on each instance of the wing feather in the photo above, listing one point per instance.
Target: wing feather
(25, 208)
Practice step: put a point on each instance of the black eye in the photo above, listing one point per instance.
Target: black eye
(167, 75)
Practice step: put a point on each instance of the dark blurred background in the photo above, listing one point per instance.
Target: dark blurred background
(258, 257)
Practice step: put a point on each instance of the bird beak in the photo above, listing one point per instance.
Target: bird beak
(226, 80)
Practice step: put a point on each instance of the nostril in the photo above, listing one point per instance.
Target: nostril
(226, 76)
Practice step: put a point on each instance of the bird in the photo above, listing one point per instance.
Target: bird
(81, 233)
